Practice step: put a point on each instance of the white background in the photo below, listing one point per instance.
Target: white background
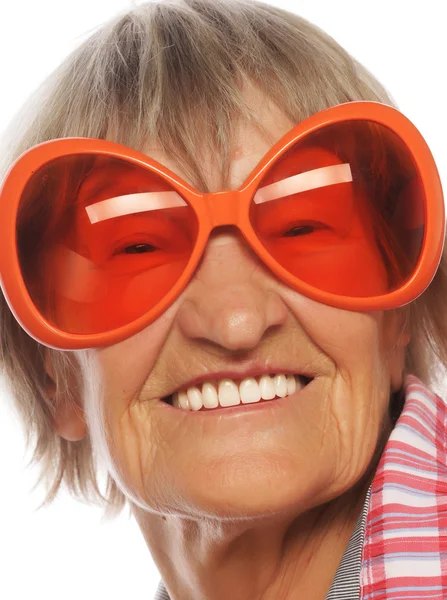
(65, 551)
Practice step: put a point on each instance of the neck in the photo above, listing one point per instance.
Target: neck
(282, 557)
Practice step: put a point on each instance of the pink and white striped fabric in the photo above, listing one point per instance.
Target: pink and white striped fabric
(405, 546)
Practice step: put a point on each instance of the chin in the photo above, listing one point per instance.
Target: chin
(242, 494)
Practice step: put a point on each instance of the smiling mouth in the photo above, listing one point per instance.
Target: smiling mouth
(229, 392)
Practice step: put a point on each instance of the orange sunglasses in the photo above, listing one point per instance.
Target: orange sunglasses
(98, 239)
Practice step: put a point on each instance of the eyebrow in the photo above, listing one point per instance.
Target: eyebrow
(151, 201)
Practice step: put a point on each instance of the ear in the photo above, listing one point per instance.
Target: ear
(397, 339)
(69, 418)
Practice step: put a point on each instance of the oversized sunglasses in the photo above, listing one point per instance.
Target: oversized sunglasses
(97, 240)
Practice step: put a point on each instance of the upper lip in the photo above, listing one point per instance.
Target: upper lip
(238, 375)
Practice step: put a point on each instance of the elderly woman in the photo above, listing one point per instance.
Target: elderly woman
(222, 274)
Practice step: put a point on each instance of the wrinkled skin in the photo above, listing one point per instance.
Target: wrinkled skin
(252, 505)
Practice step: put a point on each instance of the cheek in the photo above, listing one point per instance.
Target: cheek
(351, 341)
(125, 367)
(129, 438)
(140, 455)
(356, 367)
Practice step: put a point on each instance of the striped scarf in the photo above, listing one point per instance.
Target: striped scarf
(405, 545)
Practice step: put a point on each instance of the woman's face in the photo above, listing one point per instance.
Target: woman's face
(236, 320)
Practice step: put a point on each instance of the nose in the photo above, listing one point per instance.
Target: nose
(231, 301)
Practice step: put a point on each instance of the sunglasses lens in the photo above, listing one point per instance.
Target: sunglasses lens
(101, 241)
(343, 210)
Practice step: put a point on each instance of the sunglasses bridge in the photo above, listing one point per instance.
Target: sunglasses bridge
(223, 208)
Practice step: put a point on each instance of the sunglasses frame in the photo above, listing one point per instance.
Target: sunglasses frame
(225, 208)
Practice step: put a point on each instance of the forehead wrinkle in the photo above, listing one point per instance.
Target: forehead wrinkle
(200, 170)
(212, 168)
(246, 136)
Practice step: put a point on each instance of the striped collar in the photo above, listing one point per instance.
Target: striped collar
(346, 583)
(398, 549)
(405, 546)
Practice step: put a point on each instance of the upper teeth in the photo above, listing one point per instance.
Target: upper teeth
(230, 393)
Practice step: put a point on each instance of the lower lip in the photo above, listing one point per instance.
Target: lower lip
(239, 409)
